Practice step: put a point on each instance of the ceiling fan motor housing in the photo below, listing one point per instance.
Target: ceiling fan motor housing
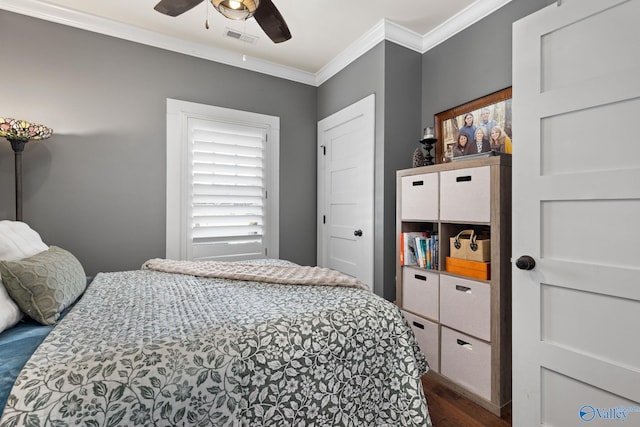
(265, 13)
(236, 9)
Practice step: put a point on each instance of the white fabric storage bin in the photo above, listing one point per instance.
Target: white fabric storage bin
(466, 305)
(467, 361)
(465, 194)
(426, 333)
(420, 292)
(420, 197)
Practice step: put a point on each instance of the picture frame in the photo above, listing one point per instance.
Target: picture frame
(450, 124)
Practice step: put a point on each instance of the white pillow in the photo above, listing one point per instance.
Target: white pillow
(10, 314)
(17, 241)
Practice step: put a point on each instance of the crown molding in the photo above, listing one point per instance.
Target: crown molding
(358, 48)
(403, 36)
(388, 30)
(460, 21)
(383, 30)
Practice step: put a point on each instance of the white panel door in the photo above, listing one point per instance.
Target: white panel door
(345, 190)
(576, 209)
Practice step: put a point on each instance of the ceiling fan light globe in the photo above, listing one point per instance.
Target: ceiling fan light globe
(236, 9)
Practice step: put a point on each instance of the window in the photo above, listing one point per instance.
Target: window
(222, 183)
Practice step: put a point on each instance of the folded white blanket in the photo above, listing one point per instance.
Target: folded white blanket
(290, 275)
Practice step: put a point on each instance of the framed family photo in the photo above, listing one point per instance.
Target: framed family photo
(478, 128)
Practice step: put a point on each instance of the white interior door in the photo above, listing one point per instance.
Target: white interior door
(345, 190)
(576, 207)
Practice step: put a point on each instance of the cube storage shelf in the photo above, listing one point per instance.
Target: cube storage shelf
(463, 324)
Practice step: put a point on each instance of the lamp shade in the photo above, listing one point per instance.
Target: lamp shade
(22, 130)
(236, 9)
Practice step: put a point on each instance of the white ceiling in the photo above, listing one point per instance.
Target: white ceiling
(326, 34)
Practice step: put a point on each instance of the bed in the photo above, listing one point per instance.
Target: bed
(154, 347)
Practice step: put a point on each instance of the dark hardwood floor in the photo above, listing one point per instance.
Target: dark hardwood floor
(449, 409)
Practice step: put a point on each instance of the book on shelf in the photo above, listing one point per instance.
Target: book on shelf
(422, 243)
(419, 248)
(408, 248)
(429, 251)
(434, 251)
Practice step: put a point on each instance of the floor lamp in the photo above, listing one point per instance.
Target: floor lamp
(18, 133)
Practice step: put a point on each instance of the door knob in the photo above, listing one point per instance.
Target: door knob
(525, 262)
(357, 233)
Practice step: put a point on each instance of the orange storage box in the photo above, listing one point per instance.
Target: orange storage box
(475, 269)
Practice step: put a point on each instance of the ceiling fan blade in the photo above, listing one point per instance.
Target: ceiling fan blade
(272, 22)
(176, 7)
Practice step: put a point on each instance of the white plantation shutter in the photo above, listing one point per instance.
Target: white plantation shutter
(221, 166)
(228, 189)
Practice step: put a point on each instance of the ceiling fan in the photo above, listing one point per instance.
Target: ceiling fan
(264, 11)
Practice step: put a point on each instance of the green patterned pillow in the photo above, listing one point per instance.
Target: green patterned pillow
(45, 284)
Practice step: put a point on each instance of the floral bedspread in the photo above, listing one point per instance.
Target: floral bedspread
(153, 348)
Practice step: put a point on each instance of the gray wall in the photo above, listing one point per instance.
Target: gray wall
(403, 129)
(97, 187)
(474, 62)
(393, 74)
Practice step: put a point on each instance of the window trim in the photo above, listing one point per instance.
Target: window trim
(178, 239)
